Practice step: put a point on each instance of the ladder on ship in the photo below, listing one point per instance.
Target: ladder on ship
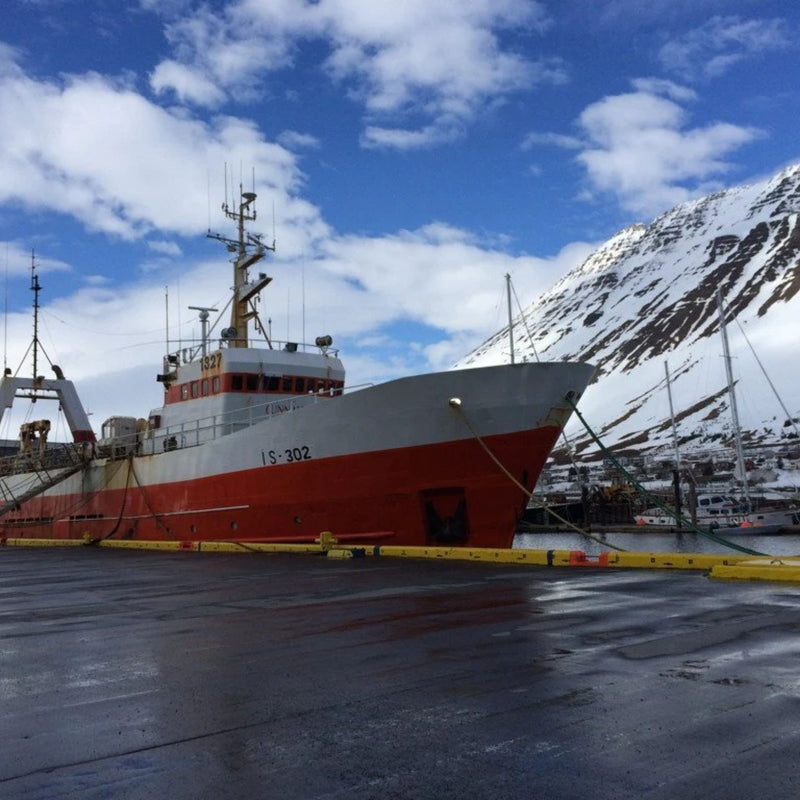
(43, 479)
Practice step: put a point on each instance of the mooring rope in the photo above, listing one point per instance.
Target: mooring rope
(124, 499)
(529, 494)
(161, 524)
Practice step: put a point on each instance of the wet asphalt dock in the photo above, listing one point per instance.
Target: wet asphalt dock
(146, 675)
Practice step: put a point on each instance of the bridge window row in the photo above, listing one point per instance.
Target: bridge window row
(247, 382)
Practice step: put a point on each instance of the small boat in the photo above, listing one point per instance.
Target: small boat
(265, 442)
(725, 514)
(713, 511)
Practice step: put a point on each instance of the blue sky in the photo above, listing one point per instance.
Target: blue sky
(412, 153)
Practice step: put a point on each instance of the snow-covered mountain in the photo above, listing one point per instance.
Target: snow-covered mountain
(648, 296)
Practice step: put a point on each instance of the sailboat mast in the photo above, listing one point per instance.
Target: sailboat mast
(732, 394)
(672, 418)
(510, 324)
(676, 473)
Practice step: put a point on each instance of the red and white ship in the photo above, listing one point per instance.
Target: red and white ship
(265, 443)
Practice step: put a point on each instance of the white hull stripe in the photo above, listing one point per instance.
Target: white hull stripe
(157, 515)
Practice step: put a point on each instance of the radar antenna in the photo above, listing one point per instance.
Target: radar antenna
(204, 313)
(249, 249)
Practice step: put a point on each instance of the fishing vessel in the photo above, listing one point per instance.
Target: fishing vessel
(713, 511)
(264, 441)
(726, 514)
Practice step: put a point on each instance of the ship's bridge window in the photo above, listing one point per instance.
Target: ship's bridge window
(237, 383)
(195, 389)
(271, 383)
(300, 385)
(286, 383)
(184, 391)
(204, 387)
(215, 384)
(251, 383)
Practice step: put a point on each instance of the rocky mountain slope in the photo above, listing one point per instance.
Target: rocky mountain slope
(648, 296)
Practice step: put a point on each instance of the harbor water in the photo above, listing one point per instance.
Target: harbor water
(657, 542)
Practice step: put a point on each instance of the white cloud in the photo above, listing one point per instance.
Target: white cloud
(718, 44)
(122, 165)
(188, 84)
(96, 280)
(9, 58)
(166, 6)
(461, 276)
(681, 94)
(226, 49)
(402, 139)
(556, 139)
(442, 61)
(294, 140)
(15, 260)
(627, 14)
(164, 248)
(639, 147)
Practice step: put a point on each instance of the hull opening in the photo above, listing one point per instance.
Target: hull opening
(446, 517)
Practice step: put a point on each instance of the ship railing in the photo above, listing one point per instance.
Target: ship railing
(192, 433)
(194, 348)
(205, 429)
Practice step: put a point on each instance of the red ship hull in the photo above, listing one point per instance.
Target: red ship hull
(449, 493)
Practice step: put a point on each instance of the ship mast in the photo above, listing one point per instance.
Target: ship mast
(249, 250)
(35, 288)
